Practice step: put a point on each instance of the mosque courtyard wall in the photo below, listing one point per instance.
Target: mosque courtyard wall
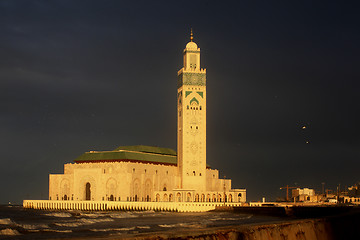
(128, 181)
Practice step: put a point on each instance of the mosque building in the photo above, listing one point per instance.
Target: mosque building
(154, 174)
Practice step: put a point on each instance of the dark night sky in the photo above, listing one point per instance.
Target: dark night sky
(93, 75)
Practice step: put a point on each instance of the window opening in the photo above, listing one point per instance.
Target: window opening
(87, 191)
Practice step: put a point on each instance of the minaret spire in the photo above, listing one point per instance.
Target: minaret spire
(191, 35)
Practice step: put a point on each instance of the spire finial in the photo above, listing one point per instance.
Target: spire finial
(191, 35)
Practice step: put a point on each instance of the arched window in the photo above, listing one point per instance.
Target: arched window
(197, 197)
(239, 197)
(188, 197)
(178, 197)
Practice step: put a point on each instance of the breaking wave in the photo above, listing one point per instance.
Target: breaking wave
(191, 225)
(143, 227)
(91, 215)
(113, 229)
(123, 215)
(83, 221)
(58, 214)
(57, 231)
(9, 232)
(6, 221)
(33, 227)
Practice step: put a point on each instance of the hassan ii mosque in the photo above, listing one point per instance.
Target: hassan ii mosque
(148, 176)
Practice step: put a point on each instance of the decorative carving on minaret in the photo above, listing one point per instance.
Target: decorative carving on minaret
(192, 122)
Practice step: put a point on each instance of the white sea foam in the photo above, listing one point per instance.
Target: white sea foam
(6, 221)
(113, 229)
(83, 221)
(33, 227)
(143, 227)
(91, 215)
(58, 214)
(171, 225)
(229, 218)
(58, 231)
(123, 215)
(9, 232)
(185, 225)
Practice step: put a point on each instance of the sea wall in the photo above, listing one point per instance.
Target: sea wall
(335, 228)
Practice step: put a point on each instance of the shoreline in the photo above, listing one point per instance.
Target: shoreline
(289, 229)
(341, 226)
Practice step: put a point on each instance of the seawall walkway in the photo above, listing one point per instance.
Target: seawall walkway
(126, 206)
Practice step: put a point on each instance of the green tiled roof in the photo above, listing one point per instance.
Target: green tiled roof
(148, 149)
(132, 153)
(138, 153)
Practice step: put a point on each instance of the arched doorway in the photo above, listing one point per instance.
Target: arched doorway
(65, 197)
(87, 191)
(111, 197)
(148, 190)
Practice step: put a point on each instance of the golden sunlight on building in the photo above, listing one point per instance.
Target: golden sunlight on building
(145, 177)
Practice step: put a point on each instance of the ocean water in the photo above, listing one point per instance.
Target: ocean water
(19, 223)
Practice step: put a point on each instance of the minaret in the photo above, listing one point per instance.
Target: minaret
(191, 130)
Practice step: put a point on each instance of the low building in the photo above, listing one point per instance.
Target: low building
(304, 195)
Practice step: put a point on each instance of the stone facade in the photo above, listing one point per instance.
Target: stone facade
(133, 181)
